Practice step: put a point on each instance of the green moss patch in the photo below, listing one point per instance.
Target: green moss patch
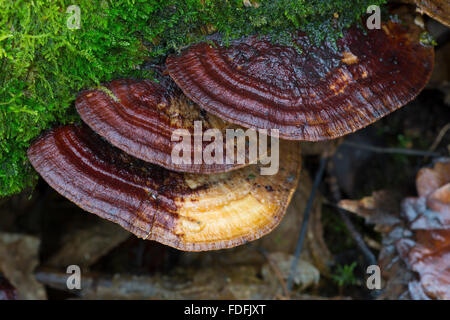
(43, 63)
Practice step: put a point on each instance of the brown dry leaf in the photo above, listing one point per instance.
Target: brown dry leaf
(19, 256)
(380, 209)
(429, 217)
(415, 254)
(430, 179)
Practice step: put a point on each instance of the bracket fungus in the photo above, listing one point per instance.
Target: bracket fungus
(187, 211)
(120, 165)
(141, 117)
(309, 92)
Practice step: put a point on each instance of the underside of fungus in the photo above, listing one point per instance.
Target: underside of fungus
(141, 117)
(187, 211)
(309, 92)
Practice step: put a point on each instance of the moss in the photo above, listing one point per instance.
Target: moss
(427, 39)
(44, 63)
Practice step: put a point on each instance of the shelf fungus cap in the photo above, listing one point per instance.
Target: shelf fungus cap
(313, 94)
(147, 120)
(191, 212)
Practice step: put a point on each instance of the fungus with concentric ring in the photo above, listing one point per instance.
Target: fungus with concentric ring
(141, 117)
(187, 211)
(309, 92)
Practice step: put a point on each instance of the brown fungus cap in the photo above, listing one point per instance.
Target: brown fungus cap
(187, 211)
(320, 93)
(141, 116)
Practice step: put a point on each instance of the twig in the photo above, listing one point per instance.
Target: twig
(277, 272)
(306, 215)
(439, 137)
(335, 191)
(408, 152)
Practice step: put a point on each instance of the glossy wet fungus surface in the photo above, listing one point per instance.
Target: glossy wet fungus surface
(187, 211)
(141, 117)
(119, 166)
(308, 93)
